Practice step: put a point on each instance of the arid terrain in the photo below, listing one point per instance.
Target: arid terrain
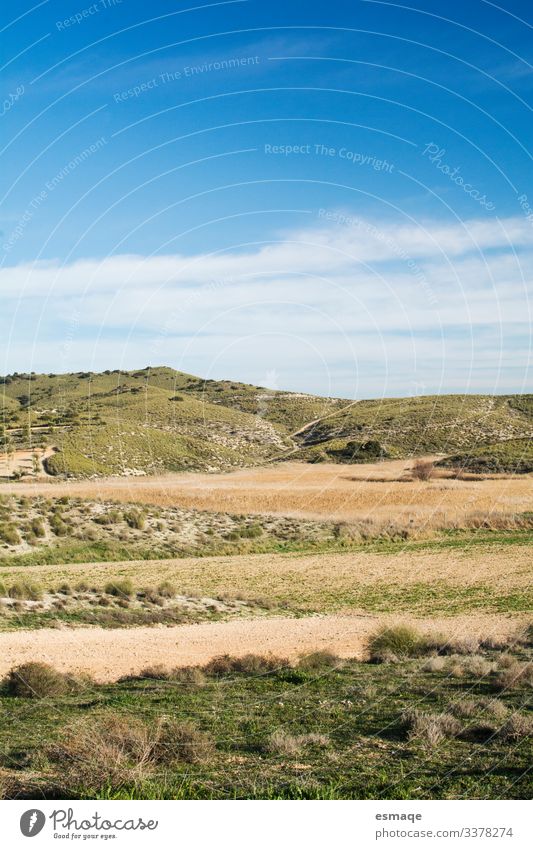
(326, 491)
(318, 596)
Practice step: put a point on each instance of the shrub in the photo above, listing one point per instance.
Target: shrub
(433, 664)
(156, 673)
(110, 751)
(189, 675)
(248, 664)
(423, 470)
(393, 643)
(121, 587)
(38, 680)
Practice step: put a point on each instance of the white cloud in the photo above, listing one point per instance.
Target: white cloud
(363, 303)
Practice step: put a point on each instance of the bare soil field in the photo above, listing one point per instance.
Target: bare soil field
(109, 655)
(380, 491)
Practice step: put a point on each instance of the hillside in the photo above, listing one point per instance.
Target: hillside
(159, 419)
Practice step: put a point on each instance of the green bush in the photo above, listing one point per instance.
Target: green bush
(58, 526)
(398, 641)
(9, 534)
(37, 527)
(135, 519)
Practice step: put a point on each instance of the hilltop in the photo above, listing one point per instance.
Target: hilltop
(158, 419)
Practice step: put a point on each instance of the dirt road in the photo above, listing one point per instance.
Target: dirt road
(109, 654)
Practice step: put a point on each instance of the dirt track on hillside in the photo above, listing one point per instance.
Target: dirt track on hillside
(109, 654)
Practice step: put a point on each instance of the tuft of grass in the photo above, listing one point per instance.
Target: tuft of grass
(281, 742)
(28, 590)
(38, 681)
(430, 728)
(517, 727)
(396, 642)
(318, 661)
(248, 664)
(181, 741)
(135, 519)
(166, 589)
(121, 587)
(514, 675)
(116, 751)
(9, 534)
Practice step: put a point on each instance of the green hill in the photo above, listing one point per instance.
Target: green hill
(159, 419)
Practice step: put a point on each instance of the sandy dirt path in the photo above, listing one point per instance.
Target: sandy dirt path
(109, 654)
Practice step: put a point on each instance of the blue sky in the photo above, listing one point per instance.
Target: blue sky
(325, 197)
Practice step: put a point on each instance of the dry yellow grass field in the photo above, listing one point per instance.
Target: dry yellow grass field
(320, 491)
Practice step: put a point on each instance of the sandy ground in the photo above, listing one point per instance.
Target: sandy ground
(23, 462)
(320, 491)
(109, 654)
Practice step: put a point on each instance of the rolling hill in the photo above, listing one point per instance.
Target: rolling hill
(158, 419)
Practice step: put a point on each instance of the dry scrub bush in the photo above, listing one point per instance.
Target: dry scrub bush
(517, 727)
(433, 664)
(430, 728)
(319, 660)
(514, 675)
(248, 664)
(423, 470)
(282, 743)
(181, 741)
(476, 666)
(467, 708)
(192, 675)
(39, 680)
(115, 750)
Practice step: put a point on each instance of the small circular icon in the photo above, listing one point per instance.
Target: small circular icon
(32, 822)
